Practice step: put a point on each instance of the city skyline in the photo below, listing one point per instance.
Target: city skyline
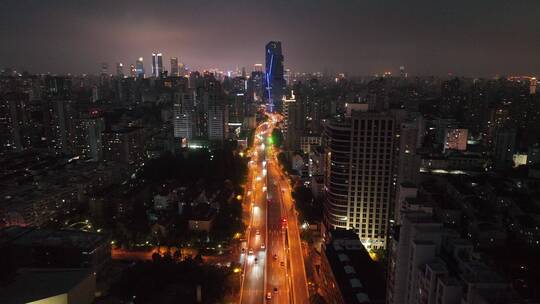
(252, 151)
(471, 39)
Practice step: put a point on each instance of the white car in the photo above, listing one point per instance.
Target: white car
(250, 251)
(262, 246)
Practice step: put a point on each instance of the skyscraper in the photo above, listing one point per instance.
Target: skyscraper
(104, 68)
(184, 116)
(358, 179)
(157, 64)
(182, 69)
(402, 72)
(274, 81)
(132, 71)
(139, 67)
(119, 69)
(174, 66)
(91, 129)
(257, 67)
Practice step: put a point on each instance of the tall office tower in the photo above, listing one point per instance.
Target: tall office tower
(256, 86)
(157, 64)
(287, 76)
(237, 109)
(294, 123)
(57, 87)
(174, 66)
(359, 162)
(120, 69)
(286, 119)
(217, 122)
(182, 69)
(91, 144)
(216, 113)
(274, 83)
(62, 117)
(418, 243)
(139, 68)
(104, 68)
(505, 146)
(257, 67)
(533, 85)
(132, 71)
(402, 73)
(184, 116)
(95, 94)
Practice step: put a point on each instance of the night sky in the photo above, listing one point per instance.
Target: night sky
(464, 37)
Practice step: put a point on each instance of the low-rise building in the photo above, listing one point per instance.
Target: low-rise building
(349, 274)
(33, 247)
(202, 218)
(50, 286)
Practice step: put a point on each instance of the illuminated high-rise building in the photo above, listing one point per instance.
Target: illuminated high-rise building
(132, 71)
(182, 69)
(402, 72)
(157, 64)
(119, 69)
(184, 116)
(533, 85)
(256, 86)
(104, 68)
(258, 67)
(174, 66)
(274, 81)
(359, 162)
(139, 67)
(91, 128)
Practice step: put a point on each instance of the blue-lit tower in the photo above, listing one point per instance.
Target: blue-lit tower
(274, 82)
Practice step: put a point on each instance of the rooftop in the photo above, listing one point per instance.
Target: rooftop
(27, 236)
(36, 284)
(360, 279)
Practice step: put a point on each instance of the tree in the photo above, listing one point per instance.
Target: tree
(277, 137)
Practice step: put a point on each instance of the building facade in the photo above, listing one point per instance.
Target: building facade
(157, 64)
(358, 179)
(174, 66)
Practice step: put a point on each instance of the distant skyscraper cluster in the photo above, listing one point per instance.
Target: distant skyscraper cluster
(157, 64)
(435, 176)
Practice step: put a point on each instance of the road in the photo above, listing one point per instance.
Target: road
(278, 276)
(281, 189)
(276, 273)
(254, 257)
